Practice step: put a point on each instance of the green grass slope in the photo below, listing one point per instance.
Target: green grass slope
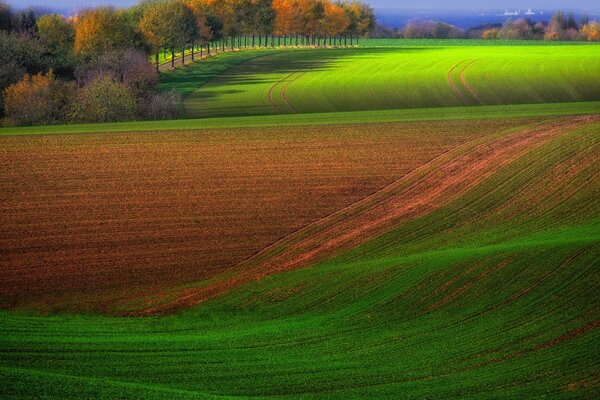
(486, 288)
(378, 78)
(334, 118)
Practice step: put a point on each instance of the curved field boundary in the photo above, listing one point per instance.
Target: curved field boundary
(466, 84)
(416, 194)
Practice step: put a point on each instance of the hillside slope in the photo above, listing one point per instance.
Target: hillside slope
(474, 275)
(329, 80)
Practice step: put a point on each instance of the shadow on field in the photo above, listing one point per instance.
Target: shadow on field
(270, 68)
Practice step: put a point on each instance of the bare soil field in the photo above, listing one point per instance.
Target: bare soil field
(94, 222)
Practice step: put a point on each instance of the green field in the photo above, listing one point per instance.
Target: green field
(492, 293)
(379, 78)
(368, 223)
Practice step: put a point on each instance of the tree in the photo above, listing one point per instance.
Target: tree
(103, 100)
(58, 37)
(263, 18)
(572, 22)
(169, 25)
(56, 32)
(585, 20)
(103, 29)
(556, 27)
(516, 30)
(361, 19)
(336, 20)
(129, 67)
(26, 20)
(19, 54)
(591, 31)
(491, 33)
(6, 17)
(37, 100)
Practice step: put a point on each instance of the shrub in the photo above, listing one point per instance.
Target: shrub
(490, 33)
(37, 100)
(431, 30)
(591, 31)
(103, 100)
(517, 30)
(162, 105)
(129, 66)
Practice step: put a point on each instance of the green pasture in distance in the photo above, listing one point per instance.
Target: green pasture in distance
(464, 42)
(492, 295)
(377, 78)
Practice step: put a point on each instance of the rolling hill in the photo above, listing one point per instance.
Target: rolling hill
(413, 221)
(378, 78)
(443, 259)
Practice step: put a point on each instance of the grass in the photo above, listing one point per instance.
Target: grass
(464, 42)
(379, 78)
(410, 242)
(490, 291)
(187, 80)
(311, 119)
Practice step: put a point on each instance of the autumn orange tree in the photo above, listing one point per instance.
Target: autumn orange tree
(103, 29)
(591, 31)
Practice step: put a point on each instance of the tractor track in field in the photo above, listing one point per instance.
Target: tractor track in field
(416, 194)
(272, 90)
(283, 93)
(466, 84)
(453, 85)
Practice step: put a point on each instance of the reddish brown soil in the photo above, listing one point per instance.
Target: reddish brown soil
(94, 222)
(423, 190)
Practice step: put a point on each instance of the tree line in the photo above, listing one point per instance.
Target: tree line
(209, 24)
(95, 66)
(560, 27)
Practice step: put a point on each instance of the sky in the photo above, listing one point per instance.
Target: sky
(381, 4)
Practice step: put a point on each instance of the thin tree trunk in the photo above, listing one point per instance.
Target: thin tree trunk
(157, 63)
(253, 40)
(172, 60)
(193, 48)
(183, 57)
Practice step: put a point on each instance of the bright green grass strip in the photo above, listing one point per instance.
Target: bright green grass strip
(338, 118)
(464, 42)
(379, 78)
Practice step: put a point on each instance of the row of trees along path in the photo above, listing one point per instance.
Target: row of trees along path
(200, 28)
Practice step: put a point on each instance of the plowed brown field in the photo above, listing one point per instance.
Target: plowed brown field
(98, 222)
